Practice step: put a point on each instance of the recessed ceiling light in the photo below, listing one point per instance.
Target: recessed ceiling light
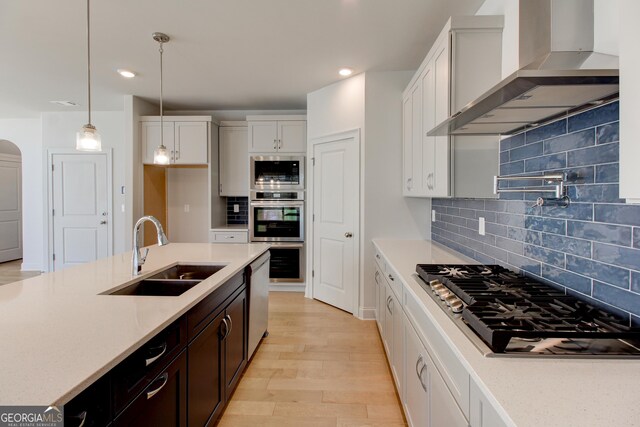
(126, 73)
(65, 103)
(344, 72)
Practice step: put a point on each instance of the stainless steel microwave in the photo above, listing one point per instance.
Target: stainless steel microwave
(277, 172)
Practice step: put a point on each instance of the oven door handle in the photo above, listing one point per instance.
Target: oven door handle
(277, 204)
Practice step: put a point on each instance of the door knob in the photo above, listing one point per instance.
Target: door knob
(348, 235)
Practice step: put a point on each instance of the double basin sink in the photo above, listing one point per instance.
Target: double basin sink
(173, 281)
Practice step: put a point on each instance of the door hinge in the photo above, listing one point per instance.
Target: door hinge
(313, 217)
(313, 161)
(52, 167)
(53, 212)
(54, 257)
(313, 273)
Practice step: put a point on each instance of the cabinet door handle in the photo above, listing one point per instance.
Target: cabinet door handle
(419, 364)
(424, 386)
(230, 325)
(376, 276)
(391, 278)
(164, 377)
(177, 154)
(82, 416)
(389, 305)
(275, 144)
(280, 144)
(226, 328)
(409, 183)
(348, 235)
(378, 256)
(149, 361)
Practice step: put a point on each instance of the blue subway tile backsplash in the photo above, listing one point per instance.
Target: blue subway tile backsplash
(592, 248)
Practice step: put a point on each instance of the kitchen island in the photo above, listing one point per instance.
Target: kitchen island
(60, 332)
(520, 391)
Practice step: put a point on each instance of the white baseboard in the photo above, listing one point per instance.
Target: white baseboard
(285, 287)
(30, 267)
(367, 313)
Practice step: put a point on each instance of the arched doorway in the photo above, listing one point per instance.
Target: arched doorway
(10, 202)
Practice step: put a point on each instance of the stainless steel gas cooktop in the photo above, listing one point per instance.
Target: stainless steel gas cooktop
(516, 315)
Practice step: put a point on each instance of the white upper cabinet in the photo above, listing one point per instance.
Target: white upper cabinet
(464, 62)
(234, 161)
(277, 134)
(186, 138)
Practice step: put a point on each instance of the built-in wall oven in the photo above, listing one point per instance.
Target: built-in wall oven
(276, 173)
(278, 217)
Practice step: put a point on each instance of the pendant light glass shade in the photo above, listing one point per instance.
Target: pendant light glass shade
(161, 156)
(88, 138)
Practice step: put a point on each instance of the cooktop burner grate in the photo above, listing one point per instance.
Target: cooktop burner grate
(501, 305)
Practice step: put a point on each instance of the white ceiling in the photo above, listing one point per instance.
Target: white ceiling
(224, 54)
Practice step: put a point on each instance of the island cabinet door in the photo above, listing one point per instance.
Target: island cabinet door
(206, 381)
(163, 403)
(235, 341)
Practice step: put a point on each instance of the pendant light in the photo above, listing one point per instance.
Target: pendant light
(88, 138)
(161, 155)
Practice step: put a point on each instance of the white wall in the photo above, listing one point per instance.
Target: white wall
(336, 108)
(26, 134)
(59, 131)
(372, 102)
(188, 186)
(387, 213)
(134, 107)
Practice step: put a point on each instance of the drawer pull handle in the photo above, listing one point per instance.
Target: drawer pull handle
(391, 278)
(165, 378)
(149, 361)
(377, 275)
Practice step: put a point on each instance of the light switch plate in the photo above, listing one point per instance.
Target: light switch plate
(481, 226)
(433, 215)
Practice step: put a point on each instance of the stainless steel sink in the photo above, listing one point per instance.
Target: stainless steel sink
(150, 287)
(171, 282)
(188, 272)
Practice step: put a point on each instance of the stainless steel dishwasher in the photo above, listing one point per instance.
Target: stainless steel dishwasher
(258, 301)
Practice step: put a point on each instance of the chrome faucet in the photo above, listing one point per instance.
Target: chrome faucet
(138, 258)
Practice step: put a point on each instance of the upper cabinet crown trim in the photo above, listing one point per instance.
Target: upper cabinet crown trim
(293, 117)
(176, 118)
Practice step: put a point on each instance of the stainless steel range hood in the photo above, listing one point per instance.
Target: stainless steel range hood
(566, 75)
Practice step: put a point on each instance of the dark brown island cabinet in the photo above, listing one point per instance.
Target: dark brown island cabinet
(183, 376)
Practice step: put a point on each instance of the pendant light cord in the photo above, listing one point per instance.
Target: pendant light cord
(161, 95)
(88, 63)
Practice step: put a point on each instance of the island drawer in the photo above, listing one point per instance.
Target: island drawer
(92, 407)
(137, 371)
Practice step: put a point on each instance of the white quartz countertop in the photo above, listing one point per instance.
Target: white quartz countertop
(527, 391)
(58, 334)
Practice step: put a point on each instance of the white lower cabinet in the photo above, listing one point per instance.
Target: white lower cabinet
(482, 413)
(434, 387)
(427, 400)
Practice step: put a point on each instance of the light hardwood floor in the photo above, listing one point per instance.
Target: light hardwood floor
(10, 272)
(319, 366)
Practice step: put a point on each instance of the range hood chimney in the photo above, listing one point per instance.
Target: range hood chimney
(559, 73)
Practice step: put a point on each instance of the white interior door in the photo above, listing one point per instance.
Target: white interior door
(10, 209)
(81, 210)
(336, 203)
